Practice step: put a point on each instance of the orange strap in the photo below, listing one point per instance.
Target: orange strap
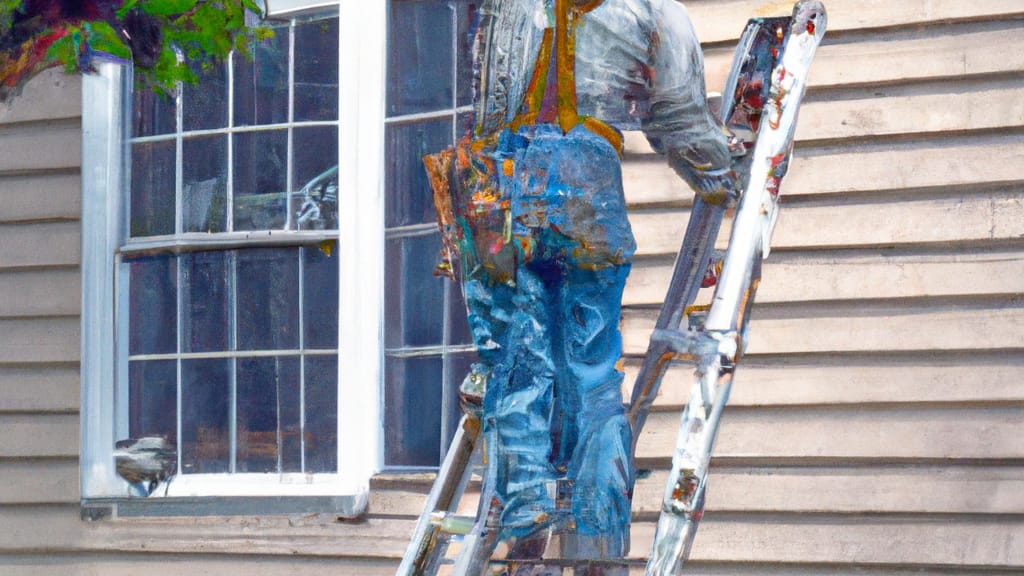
(563, 39)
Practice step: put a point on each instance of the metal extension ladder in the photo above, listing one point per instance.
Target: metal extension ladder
(760, 102)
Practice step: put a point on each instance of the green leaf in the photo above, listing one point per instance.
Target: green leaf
(168, 7)
(65, 49)
(126, 8)
(103, 38)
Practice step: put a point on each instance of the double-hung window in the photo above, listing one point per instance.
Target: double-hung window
(257, 263)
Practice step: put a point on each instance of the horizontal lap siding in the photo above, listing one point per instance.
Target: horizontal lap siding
(40, 295)
(875, 422)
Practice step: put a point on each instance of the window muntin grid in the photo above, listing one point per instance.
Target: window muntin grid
(232, 300)
(427, 345)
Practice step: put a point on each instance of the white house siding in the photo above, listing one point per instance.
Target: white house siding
(874, 428)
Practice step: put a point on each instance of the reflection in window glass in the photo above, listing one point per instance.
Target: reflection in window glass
(205, 286)
(269, 417)
(204, 106)
(261, 82)
(316, 72)
(321, 425)
(152, 196)
(414, 315)
(409, 198)
(428, 105)
(205, 427)
(231, 344)
(268, 299)
(412, 411)
(153, 327)
(153, 396)
(320, 298)
(420, 62)
(204, 184)
(261, 166)
(152, 114)
(267, 401)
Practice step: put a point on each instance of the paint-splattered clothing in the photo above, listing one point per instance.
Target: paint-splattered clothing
(545, 317)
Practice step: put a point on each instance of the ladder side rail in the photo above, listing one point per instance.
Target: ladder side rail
(424, 551)
(698, 244)
(698, 241)
(727, 319)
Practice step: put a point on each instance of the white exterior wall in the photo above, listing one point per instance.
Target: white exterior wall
(874, 428)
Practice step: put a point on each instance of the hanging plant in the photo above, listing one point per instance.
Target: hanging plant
(161, 37)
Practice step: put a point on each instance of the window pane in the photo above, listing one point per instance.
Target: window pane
(152, 114)
(458, 331)
(205, 429)
(204, 190)
(153, 399)
(152, 197)
(204, 105)
(467, 15)
(152, 298)
(315, 175)
(261, 164)
(409, 196)
(320, 299)
(261, 82)
(321, 373)
(457, 369)
(268, 299)
(316, 70)
(414, 313)
(269, 427)
(412, 406)
(205, 298)
(419, 57)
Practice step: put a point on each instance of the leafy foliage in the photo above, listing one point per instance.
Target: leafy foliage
(166, 39)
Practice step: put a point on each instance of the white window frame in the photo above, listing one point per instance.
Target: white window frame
(105, 181)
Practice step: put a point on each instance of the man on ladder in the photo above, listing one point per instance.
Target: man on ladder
(557, 80)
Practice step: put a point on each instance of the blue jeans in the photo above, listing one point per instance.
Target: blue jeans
(547, 332)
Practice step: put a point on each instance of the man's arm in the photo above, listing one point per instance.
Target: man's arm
(680, 125)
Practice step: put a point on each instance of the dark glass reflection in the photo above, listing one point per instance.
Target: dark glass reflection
(419, 57)
(260, 170)
(153, 305)
(152, 113)
(320, 298)
(205, 183)
(205, 404)
(414, 309)
(466, 14)
(152, 195)
(268, 299)
(316, 72)
(204, 105)
(153, 399)
(321, 437)
(269, 419)
(409, 196)
(205, 286)
(412, 409)
(261, 82)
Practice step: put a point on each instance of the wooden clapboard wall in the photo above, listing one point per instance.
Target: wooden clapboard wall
(877, 424)
(874, 429)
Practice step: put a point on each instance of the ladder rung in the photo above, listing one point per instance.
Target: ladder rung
(452, 523)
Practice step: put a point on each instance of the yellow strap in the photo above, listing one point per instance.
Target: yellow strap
(565, 66)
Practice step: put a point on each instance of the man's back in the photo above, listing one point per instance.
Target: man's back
(638, 66)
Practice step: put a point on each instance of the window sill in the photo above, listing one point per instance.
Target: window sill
(345, 507)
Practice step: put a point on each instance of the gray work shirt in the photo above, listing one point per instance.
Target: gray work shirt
(638, 66)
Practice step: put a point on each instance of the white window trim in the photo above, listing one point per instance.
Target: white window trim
(105, 180)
